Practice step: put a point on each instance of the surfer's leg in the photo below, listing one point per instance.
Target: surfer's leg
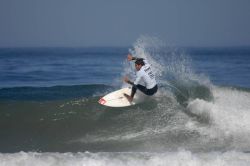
(140, 87)
(146, 91)
(128, 97)
(143, 89)
(133, 91)
(134, 88)
(152, 91)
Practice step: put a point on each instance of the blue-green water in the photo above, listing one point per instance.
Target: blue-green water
(49, 109)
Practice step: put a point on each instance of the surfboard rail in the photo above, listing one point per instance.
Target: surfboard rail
(117, 98)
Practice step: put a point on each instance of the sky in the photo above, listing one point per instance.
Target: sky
(84, 23)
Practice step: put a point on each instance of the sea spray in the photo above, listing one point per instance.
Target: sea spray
(172, 67)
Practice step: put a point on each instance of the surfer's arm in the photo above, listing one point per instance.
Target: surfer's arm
(128, 81)
(131, 58)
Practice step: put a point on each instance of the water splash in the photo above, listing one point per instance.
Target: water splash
(172, 67)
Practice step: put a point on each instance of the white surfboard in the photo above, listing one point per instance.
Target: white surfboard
(117, 98)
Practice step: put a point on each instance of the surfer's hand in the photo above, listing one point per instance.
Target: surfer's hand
(125, 79)
(130, 57)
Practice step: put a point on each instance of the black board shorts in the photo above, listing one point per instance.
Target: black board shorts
(144, 90)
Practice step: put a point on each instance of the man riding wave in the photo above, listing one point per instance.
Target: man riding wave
(143, 74)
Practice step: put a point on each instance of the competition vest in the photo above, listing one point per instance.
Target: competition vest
(145, 75)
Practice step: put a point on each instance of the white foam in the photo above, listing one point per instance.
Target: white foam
(232, 114)
(229, 115)
(178, 158)
(200, 107)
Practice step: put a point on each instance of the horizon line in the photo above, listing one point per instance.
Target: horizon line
(77, 47)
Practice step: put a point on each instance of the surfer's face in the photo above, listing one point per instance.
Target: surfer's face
(137, 67)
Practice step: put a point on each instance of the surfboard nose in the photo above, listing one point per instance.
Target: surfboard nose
(102, 101)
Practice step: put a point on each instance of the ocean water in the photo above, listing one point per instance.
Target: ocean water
(49, 111)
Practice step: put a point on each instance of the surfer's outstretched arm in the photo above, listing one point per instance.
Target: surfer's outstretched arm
(131, 58)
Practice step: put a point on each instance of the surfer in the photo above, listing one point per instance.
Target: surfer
(143, 74)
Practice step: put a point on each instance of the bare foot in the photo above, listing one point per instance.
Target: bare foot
(128, 97)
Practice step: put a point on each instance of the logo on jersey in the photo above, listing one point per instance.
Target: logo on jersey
(149, 72)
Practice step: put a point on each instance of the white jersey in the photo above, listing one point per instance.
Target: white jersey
(146, 75)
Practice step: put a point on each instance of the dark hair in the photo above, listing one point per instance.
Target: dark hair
(140, 61)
